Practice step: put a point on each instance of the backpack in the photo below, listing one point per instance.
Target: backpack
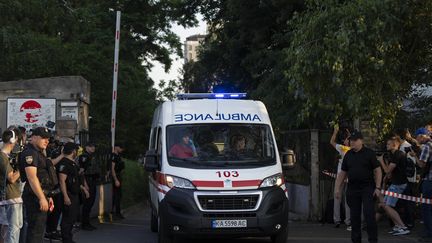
(411, 169)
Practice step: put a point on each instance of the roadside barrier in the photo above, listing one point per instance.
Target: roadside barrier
(392, 194)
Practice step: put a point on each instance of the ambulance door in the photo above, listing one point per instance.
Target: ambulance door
(159, 149)
(153, 178)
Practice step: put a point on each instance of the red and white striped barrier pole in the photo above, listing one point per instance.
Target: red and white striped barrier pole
(115, 80)
(393, 194)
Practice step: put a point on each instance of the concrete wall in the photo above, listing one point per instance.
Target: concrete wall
(63, 89)
(299, 198)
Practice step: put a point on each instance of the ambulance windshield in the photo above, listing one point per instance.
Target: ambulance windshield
(220, 145)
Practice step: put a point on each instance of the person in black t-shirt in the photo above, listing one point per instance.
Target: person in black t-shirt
(395, 171)
(117, 166)
(91, 171)
(364, 174)
(35, 170)
(70, 186)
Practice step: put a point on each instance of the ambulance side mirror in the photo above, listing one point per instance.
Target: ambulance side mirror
(288, 159)
(150, 161)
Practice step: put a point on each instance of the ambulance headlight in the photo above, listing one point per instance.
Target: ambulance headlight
(173, 181)
(274, 180)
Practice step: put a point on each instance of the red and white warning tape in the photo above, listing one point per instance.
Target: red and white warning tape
(393, 194)
(406, 197)
(331, 174)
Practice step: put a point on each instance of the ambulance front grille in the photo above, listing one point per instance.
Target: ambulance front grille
(228, 202)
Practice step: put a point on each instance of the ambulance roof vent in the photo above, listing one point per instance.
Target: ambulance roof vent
(191, 96)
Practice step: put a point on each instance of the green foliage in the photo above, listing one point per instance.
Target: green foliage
(168, 90)
(58, 38)
(361, 57)
(135, 184)
(316, 62)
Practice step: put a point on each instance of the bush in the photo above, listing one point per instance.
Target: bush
(135, 184)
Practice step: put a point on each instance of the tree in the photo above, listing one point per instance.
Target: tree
(330, 60)
(361, 57)
(57, 38)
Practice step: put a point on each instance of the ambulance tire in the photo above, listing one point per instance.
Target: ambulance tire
(280, 237)
(153, 222)
(163, 236)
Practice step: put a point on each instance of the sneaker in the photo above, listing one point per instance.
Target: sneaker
(394, 229)
(337, 225)
(402, 231)
(349, 228)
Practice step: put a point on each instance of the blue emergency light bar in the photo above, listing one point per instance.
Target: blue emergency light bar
(191, 96)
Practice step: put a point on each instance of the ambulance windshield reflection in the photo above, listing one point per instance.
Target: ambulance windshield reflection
(220, 145)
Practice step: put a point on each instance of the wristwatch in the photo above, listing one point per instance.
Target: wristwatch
(378, 188)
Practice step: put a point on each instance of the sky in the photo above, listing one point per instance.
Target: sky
(157, 73)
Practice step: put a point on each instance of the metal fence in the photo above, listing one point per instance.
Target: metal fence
(314, 154)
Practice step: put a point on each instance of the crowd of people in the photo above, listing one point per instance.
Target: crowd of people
(404, 167)
(46, 185)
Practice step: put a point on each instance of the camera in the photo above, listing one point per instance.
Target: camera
(52, 193)
(385, 154)
(54, 148)
(14, 156)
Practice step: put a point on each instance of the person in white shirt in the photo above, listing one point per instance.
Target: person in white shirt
(342, 149)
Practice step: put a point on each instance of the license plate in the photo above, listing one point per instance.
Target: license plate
(232, 223)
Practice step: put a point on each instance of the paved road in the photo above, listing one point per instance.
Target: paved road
(135, 228)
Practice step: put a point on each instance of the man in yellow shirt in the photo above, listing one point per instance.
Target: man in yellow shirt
(342, 149)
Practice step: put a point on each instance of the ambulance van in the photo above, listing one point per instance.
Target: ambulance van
(215, 170)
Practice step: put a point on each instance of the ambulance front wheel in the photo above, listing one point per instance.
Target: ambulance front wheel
(281, 236)
(163, 235)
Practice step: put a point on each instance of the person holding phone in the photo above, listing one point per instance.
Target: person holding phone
(342, 149)
(184, 149)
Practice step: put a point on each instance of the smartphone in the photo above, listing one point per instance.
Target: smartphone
(51, 206)
(408, 149)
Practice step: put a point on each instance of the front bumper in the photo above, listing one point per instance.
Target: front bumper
(179, 208)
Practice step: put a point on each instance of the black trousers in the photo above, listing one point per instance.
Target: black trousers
(408, 207)
(116, 198)
(36, 219)
(356, 199)
(54, 216)
(69, 217)
(89, 202)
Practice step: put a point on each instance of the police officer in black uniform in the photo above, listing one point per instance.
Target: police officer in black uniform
(39, 173)
(70, 185)
(117, 166)
(363, 170)
(91, 172)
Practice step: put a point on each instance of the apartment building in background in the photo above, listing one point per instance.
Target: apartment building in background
(191, 46)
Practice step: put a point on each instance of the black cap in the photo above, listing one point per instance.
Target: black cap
(42, 132)
(356, 135)
(69, 147)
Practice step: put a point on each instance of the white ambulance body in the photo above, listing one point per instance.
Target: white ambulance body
(215, 170)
